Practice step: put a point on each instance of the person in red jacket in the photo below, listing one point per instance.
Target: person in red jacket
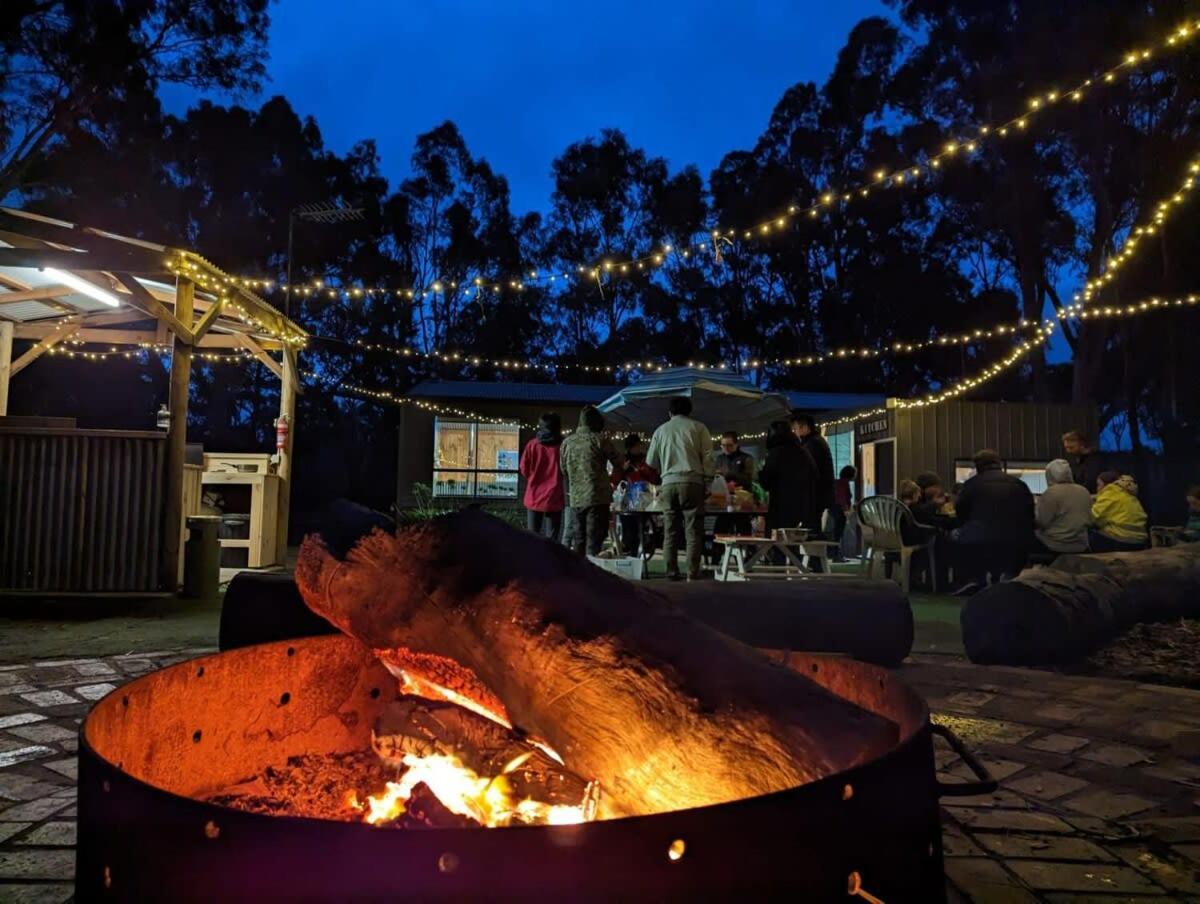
(545, 496)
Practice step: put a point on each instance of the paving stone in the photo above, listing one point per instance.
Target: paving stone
(956, 843)
(95, 691)
(23, 754)
(51, 834)
(8, 829)
(969, 700)
(1160, 732)
(8, 744)
(68, 767)
(94, 668)
(1047, 785)
(1177, 877)
(43, 732)
(1004, 800)
(70, 745)
(20, 719)
(985, 881)
(1189, 850)
(1071, 898)
(42, 893)
(977, 820)
(1050, 875)
(1179, 771)
(18, 689)
(48, 698)
(1068, 713)
(37, 864)
(1173, 830)
(1057, 743)
(999, 768)
(1109, 804)
(15, 786)
(1120, 755)
(35, 810)
(1043, 847)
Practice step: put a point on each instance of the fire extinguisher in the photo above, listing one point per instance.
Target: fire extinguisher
(281, 432)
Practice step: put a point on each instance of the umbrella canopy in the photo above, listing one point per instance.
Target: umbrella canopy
(721, 401)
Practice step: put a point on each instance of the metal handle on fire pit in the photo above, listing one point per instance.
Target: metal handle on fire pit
(985, 785)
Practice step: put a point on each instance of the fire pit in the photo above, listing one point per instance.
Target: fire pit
(155, 750)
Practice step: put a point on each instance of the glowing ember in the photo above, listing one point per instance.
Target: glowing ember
(461, 790)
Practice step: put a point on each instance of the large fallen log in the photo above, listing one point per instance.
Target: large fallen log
(662, 711)
(1060, 614)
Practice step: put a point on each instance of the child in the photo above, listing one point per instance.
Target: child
(843, 502)
(1191, 530)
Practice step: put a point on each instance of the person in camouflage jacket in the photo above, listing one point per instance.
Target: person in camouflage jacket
(584, 459)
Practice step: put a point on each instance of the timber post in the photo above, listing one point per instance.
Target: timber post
(287, 408)
(177, 404)
(6, 342)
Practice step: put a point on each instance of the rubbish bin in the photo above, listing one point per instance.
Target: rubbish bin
(201, 557)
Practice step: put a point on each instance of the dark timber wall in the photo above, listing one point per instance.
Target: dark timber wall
(80, 510)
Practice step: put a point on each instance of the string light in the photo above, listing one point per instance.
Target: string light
(1134, 240)
(969, 337)
(384, 395)
(827, 199)
(137, 354)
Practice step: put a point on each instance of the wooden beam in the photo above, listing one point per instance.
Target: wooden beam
(260, 353)
(143, 300)
(181, 375)
(42, 347)
(287, 409)
(6, 341)
(41, 258)
(112, 337)
(41, 294)
(207, 319)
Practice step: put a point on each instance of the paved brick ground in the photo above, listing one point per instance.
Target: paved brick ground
(1098, 800)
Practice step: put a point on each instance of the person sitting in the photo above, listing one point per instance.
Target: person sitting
(1118, 517)
(931, 507)
(915, 532)
(735, 465)
(996, 514)
(1064, 511)
(1191, 530)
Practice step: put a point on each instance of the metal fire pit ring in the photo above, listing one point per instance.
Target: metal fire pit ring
(152, 748)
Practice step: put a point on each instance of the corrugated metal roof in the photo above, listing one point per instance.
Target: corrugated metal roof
(28, 310)
(561, 393)
(814, 402)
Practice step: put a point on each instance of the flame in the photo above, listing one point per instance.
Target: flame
(489, 801)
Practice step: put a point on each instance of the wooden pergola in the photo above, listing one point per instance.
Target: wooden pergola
(60, 281)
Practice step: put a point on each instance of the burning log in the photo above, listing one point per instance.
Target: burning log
(664, 712)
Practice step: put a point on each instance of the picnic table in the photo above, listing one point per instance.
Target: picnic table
(739, 520)
(746, 558)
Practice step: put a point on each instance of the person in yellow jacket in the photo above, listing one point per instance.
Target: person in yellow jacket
(1119, 521)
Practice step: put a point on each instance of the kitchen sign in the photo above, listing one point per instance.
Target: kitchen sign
(873, 428)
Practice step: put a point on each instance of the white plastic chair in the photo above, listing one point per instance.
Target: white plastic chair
(882, 518)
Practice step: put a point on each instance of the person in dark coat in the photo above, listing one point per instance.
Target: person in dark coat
(996, 514)
(790, 476)
(1086, 463)
(805, 429)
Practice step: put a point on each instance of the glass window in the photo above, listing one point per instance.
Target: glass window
(472, 459)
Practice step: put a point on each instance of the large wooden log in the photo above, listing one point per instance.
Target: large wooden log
(1060, 614)
(663, 711)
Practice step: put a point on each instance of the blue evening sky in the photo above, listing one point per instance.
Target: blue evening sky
(688, 81)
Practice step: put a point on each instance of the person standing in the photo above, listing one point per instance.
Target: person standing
(584, 459)
(635, 536)
(843, 504)
(679, 452)
(1086, 463)
(790, 476)
(806, 430)
(732, 463)
(539, 465)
